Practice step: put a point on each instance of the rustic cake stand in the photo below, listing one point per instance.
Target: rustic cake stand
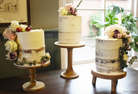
(69, 73)
(33, 85)
(113, 77)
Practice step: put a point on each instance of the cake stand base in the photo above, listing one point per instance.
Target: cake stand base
(69, 75)
(113, 77)
(30, 88)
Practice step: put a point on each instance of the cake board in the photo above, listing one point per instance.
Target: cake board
(33, 85)
(69, 73)
(110, 76)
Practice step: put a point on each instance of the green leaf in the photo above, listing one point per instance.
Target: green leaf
(136, 39)
(100, 25)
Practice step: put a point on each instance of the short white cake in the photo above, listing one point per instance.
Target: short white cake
(107, 54)
(69, 29)
(31, 45)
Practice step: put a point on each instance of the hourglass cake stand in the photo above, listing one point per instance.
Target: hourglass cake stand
(69, 73)
(33, 85)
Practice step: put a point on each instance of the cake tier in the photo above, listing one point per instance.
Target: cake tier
(107, 54)
(31, 45)
(69, 29)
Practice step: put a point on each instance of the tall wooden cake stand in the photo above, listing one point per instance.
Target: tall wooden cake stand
(69, 73)
(33, 85)
(111, 76)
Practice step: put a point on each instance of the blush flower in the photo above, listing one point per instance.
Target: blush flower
(69, 7)
(113, 30)
(8, 34)
(11, 56)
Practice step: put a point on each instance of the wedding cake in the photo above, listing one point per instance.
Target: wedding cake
(112, 49)
(25, 46)
(69, 25)
(107, 54)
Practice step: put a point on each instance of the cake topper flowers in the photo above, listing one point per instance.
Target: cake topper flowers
(69, 9)
(117, 31)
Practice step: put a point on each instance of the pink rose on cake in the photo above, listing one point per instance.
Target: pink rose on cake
(69, 9)
(115, 31)
(8, 34)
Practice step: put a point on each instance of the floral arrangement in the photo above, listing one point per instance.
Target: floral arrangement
(117, 31)
(69, 9)
(12, 47)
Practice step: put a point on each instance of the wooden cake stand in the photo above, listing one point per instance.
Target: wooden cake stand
(69, 73)
(111, 76)
(33, 85)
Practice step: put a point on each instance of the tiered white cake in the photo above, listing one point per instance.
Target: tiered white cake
(31, 45)
(107, 54)
(69, 29)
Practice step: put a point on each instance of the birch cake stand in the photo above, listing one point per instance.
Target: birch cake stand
(33, 85)
(69, 73)
(111, 76)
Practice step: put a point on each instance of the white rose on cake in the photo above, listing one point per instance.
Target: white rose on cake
(62, 11)
(14, 25)
(11, 46)
(48, 55)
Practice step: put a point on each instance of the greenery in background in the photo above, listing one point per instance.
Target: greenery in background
(127, 20)
(97, 17)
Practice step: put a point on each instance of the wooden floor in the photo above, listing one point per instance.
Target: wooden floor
(54, 84)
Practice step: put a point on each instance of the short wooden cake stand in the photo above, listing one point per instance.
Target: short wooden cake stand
(69, 73)
(33, 85)
(113, 77)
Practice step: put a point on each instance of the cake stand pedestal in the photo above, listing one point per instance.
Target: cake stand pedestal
(113, 77)
(33, 85)
(69, 73)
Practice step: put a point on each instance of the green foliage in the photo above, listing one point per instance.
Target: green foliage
(110, 17)
(129, 22)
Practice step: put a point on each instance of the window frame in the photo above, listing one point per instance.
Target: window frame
(133, 10)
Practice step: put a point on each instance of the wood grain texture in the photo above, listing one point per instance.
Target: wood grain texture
(69, 73)
(54, 84)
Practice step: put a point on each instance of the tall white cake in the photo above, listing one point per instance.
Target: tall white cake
(25, 46)
(107, 54)
(69, 29)
(31, 45)
(69, 25)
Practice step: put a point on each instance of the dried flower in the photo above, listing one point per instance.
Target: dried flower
(11, 56)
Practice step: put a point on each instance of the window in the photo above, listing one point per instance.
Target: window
(95, 9)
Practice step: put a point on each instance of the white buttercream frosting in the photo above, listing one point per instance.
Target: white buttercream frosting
(31, 45)
(107, 54)
(69, 29)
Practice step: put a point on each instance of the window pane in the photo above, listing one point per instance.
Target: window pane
(87, 28)
(89, 3)
(126, 4)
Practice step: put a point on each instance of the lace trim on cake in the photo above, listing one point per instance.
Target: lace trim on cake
(105, 61)
(30, 50)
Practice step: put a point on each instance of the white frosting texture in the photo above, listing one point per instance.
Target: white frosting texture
(31, 45)
(69, 29)
(107, 54)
